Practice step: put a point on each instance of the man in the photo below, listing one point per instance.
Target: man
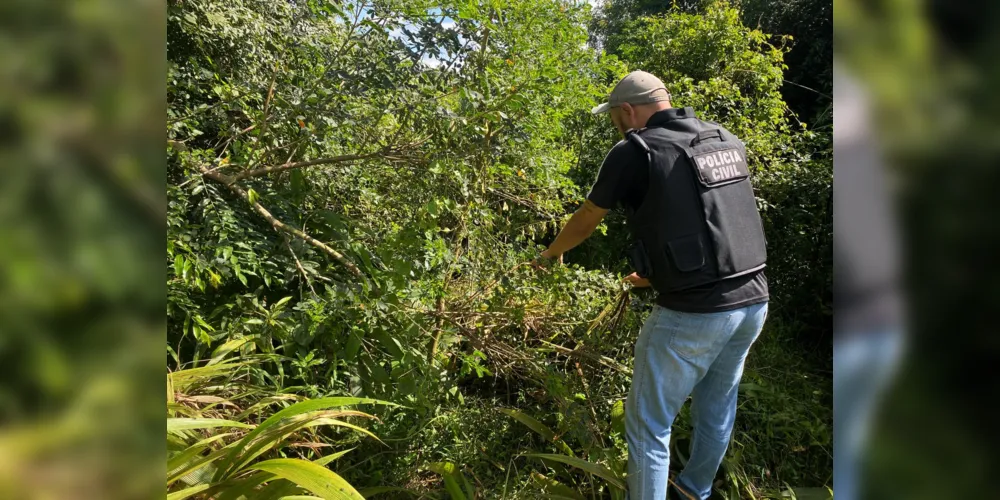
(868, 326)
(698, 242)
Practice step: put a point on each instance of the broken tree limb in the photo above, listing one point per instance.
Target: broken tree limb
(603, 360)
(390, 153)
(229, 182)
(257, 172)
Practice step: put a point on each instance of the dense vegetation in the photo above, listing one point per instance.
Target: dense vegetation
(354, 192)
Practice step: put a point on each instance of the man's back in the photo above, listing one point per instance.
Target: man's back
(624, 180)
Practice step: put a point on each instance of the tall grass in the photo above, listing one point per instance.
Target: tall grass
(229, 440)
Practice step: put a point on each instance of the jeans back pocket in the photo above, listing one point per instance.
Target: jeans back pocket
(695, 335)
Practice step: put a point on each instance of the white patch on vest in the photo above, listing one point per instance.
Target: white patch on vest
(723, 165)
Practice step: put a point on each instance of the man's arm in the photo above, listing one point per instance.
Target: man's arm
(580, 226)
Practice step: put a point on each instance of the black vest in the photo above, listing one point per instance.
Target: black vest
(699, 221)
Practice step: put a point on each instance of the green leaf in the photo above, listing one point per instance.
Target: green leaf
(532, 424)
(273, 438)
(223, 350)
(275, 490)
(199, 463)
(281, 302)
(188, 492)
(618, 417)
(432, 208)
(246, 486)
(538, 427)
(352, 347)
(295, 409)
(313, 477)
(588, 467)
(451, 475)
(554, 488)
(198, 319)
(451, 485)
(181, 379)
(341, 423)
(330, 458)
(377, 371)
(252, 196)
(407, 383)
(178, 265)
(390, 343)
(184, 424)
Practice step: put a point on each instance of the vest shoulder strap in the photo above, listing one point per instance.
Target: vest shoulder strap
(634, 138)
(715, 133)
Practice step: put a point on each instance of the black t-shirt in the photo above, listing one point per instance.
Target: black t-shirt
(622, 182)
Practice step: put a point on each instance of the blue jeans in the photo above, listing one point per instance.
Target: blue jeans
(680, 354)
(863, 364)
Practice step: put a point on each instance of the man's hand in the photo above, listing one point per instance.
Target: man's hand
(634, 280)
(580, 226)
(545, 260)
(548, 255)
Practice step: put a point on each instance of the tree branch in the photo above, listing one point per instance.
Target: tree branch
(257, 172)
(267, 102)
(229, 182)
(603, 360)
(299, 265)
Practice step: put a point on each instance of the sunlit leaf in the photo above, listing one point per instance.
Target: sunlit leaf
(313, 477)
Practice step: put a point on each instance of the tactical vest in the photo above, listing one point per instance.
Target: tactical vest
(699, 221)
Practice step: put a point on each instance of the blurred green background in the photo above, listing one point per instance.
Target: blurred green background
(82, 220)
(930, 70)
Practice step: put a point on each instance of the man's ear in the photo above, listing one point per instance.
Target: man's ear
(627, 116)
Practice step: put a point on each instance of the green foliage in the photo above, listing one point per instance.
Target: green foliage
(808, 28)
(729, 73)
(805, 28)
(588, 467)
(796, 203)
(227, 464)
